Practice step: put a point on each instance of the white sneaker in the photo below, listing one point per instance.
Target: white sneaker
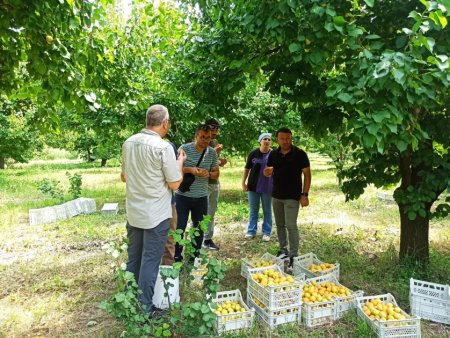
(249, 236)
(266, 238)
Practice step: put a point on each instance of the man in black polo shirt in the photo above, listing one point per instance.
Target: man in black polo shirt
(287, 164)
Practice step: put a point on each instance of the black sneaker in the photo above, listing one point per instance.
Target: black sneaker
(209, 244)
(290, 268)
(158, 313)
(282, 255)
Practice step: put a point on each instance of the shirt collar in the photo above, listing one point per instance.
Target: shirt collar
(149, 132)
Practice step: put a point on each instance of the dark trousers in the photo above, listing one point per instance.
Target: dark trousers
(145, 249)
(198, 208)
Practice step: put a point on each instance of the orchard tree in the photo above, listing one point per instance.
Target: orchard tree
(379, 66)
(19, 135)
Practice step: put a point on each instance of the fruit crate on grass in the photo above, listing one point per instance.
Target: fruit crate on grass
(267, 260)
(289, 314)
(325, 300)
(277, 294)
(430, 301)
(304, 262)
(409, 326)
(198, 272)
(226, 322)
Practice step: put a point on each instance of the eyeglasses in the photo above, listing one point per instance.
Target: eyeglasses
(207, 138)
(267, 139)
(214, 127)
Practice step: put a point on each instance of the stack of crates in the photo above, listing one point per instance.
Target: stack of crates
(266, 258)
(234, 321)
(326, 310)
(301, 264)
(408, 327)
(274, 304)
(430, 300)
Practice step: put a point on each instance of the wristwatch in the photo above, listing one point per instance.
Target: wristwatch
(304, 194)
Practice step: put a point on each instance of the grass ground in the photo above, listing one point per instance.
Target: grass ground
(53, 277)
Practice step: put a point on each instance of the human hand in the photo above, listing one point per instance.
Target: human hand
(218, 148)
(182, 156)
(223, 161)
(244, 187)
(304, 201)
(202, 172)
(268, 171)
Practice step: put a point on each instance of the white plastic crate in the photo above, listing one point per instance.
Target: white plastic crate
(233, 321)
(71, 209)
(110, 208)
(250, 264)
(274, 297)
(160, 299)
(290, 314)
(301, 264)
(430, 301)
(325, 312)
(409, 327)
(86, 205)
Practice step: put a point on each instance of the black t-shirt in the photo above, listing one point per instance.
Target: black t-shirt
(287, 172)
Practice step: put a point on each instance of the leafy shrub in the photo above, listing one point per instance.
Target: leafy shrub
(52, 188)
(75, 181)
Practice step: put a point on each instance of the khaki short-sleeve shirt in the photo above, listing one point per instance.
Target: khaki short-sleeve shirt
(148, 163)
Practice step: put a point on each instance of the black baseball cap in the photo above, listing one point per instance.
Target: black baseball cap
(212, 122)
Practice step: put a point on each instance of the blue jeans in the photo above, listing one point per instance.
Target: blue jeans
(266, 201)
(198, 208)
(145, 249)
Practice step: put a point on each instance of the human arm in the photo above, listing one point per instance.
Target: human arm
(123, 178)
(304, 200)
(244, 179)
(214, 173)
(180, 161)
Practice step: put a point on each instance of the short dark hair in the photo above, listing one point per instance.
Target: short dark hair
(212, 122)
(204, 127)
(283, 130)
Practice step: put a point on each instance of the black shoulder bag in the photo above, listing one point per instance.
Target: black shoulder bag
(189, 178)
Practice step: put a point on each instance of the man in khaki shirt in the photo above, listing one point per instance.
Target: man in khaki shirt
(151, 172)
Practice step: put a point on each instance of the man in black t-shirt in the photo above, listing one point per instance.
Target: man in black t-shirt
(287, 164)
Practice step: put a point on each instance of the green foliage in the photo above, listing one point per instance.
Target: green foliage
(19, 137)
(75, 182)
(51, 187)
(382, 70)
(193, 319)
(124, 304)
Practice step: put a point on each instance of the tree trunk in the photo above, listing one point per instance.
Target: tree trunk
(414, 235)
(414, 241)
(2, 163)
(103, 164)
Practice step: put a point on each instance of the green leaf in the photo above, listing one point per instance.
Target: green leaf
(369, 3)
(295, 47)
(373, 128)
(368, 140)
(316, 58)
(422, 213)
(339, 20)
(345, 97)
(412, 215)
(425, 3)
(399, 76)
(401, 145)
